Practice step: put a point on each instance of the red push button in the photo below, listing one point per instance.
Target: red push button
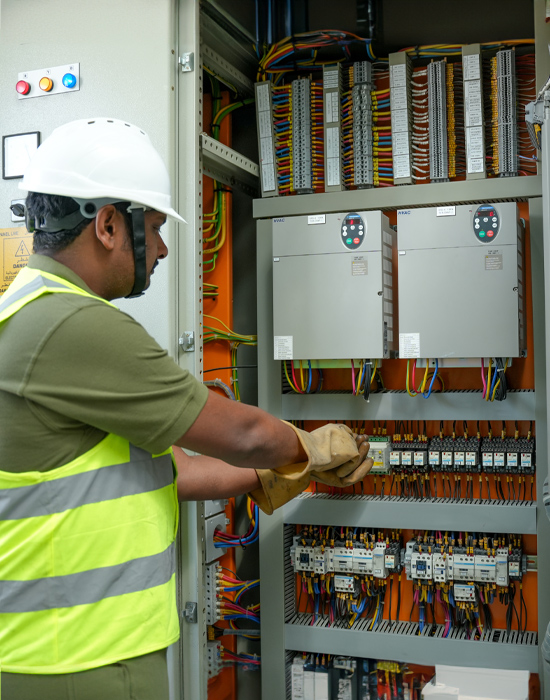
(22, 87)
(356, 241)
(490, 233)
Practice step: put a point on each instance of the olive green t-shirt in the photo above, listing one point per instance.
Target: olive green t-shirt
(73, 369)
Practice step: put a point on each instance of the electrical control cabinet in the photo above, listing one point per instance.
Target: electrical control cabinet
(333, 294)
(460, 281)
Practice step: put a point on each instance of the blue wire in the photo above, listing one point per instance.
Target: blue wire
(493, 382)
(310, 377)
(269, 29)
(320, 385)
(243, 541)
(427, 396)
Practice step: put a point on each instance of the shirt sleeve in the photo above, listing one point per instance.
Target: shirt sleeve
(100, 367)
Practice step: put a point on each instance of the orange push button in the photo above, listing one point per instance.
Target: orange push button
(46, 84)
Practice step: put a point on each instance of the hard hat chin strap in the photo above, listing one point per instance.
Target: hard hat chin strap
(138, 240)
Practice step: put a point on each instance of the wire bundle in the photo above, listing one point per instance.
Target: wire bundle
(426, 387)
(282, 124)
(227, 539)
(381, 130)
(346, 106)
(212, 333)
(230, 608)
(247, 661)
(367, 371)
(495, 386)
(526, 92)
(304, 386)
(317, 137)
(420, 128)
(300, 52)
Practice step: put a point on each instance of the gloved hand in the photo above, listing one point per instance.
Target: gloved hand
(332, 445)
(331, 477)
(278, 486)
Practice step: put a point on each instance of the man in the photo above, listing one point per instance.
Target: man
(90, 406)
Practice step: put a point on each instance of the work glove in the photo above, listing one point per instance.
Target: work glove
(278, 486)
(332, 445)
(332, 477)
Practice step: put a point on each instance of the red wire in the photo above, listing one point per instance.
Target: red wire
(294, 377)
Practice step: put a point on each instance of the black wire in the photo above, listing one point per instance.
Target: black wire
(300, 595)
(524, 604)
(231, 367)
(502, 388)
(520, 620)
(398, 599)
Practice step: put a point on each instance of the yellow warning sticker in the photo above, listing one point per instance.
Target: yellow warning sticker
(15, 249)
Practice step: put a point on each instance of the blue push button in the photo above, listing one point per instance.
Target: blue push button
(69, 80)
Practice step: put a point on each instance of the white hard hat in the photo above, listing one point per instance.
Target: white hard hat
(97, 159)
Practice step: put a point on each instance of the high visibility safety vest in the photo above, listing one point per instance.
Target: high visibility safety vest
(87, 550)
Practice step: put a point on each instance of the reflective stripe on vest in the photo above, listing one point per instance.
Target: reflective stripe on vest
(87, 555)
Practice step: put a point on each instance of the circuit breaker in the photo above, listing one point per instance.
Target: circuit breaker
(460, 281)
(333, 294)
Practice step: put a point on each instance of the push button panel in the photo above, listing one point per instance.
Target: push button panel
(353, 231)
(48, 81)
(486, 223)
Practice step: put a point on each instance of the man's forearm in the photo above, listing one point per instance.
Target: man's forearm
(204, 478)
(243, 435)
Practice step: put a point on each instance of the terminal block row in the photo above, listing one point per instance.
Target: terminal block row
(474, 113)
(362, 124)
(302, 174)
(401, 116)
(507, 116)
(437, 113)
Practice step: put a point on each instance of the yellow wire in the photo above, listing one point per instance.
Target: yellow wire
(302, 377)
(373, 371)
(408, 388)
(215, 249)
(214, 318)
(289, 379)
(358, 385)
(425, 375)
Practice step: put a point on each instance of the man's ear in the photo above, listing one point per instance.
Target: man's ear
(109, 225)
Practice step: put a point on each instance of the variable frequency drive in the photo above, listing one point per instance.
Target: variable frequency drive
(460, 281)
(333, 286)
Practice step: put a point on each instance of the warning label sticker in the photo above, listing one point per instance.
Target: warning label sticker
(409, 345)
(15, 249)
(493, 262)
(283, 347)
(359, 266)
